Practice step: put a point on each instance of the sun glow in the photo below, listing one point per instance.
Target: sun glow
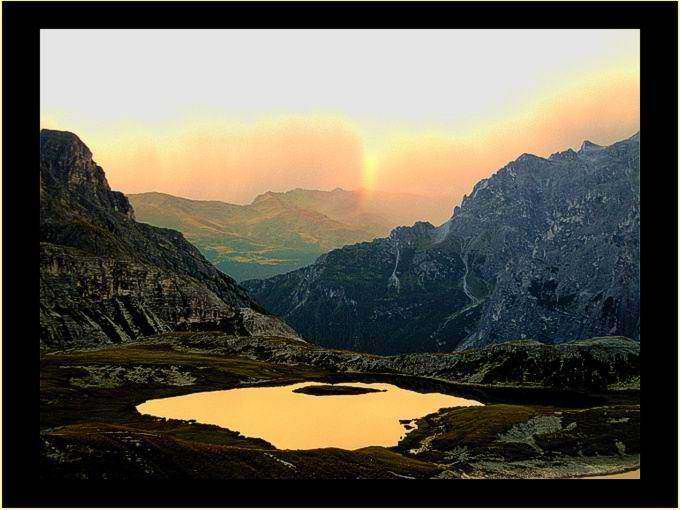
(410, 124)
(370, 172)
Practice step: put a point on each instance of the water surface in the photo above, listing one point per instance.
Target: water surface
(627, 475)
(298, 421)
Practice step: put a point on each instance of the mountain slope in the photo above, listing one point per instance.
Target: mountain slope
(545, 249)
(106, 278)
(269, 236)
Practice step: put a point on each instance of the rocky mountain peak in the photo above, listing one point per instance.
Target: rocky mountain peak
(62, 145)
(588, 146)
(528, 157)
(104, 278)
(268, 195)
(67, 168)
(546, 249)
(564, 155)
(407, 235)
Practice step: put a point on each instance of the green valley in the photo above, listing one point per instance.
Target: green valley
(281, 232)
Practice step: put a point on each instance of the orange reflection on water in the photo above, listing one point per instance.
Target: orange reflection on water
(627, 475)
(298, 421)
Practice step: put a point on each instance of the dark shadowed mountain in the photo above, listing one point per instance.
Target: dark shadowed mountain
(279, 232)
(547, 249)
(106, 278)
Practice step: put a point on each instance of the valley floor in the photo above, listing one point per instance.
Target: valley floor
(90, 428)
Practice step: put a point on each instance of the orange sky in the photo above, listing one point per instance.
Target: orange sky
(438, 148)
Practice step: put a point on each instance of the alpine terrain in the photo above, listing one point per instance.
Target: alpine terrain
(280, 232)
(105, 278)
(131, 314)
(546, 248)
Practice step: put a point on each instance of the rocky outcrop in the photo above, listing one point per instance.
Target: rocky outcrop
(546, 248)
(532, 423)
(385, 297)
(106, 278)
(591, 365)
(513, 441)
(558, 239)
(66, 167)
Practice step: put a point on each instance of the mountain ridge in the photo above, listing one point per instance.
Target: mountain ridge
(105, 278)
(266, 237)
(279, 231)
(545, 247)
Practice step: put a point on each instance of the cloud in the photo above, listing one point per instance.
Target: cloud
(602, 107)
(208, 157)
(231, 161)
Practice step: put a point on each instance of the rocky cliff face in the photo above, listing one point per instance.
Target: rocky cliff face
(545, 249)
(558, 239)
(106, 278)
(66, 168)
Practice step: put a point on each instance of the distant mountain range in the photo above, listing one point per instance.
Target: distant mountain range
(378, 209)
(105, 278)
(280, 232)
(546, 248)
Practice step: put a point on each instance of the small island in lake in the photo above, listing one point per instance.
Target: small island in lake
(323, 390)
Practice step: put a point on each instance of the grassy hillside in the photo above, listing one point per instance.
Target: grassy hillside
(268, 237)
(280, 232)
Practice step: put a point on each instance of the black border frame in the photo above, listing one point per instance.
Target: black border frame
(658, 24)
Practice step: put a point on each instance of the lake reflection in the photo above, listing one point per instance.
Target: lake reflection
(627, 475)
(298, 421)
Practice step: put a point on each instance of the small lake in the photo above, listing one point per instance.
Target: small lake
(298, 421)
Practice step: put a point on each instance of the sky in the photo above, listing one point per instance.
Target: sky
(228, 114)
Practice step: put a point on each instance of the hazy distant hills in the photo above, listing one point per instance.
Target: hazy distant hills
(546, 248)
(280, 232)
(370, 208)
